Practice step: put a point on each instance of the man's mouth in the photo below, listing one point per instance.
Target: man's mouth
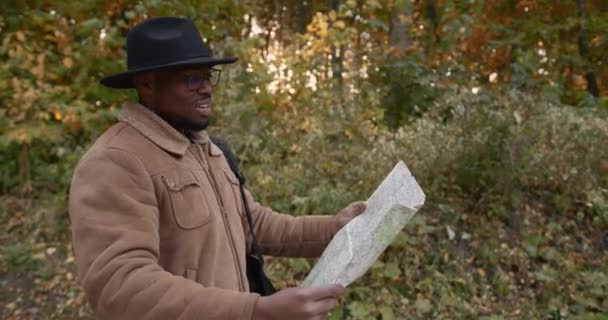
(202, 104)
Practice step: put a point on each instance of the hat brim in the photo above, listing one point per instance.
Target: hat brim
(124, 80)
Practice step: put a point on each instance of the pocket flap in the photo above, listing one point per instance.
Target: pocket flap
(179, 179)
(231, 177)
(187, 197)
(215, 151)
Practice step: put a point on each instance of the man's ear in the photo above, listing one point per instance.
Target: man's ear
(144, 84)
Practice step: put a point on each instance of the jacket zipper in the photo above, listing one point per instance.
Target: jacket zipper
(214, 186)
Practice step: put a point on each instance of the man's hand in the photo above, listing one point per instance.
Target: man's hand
(311, 303)
(352, 210)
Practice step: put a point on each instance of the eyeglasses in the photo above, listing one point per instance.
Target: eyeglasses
(196, 80)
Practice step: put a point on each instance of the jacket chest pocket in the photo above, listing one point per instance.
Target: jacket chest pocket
(187, 198)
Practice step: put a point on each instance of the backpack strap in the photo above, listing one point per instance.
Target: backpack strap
(234, 166)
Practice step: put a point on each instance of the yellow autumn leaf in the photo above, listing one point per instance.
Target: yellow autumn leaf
(68, 62)
(20, 135)
(305, 125)
(351, 3)
(373, 4)
(322, 29)
(339, 24)
(41, 58)
(67, 51)
(332, 15)
(38, 70)
(348, 134)
(20, 36)
(16, 83)
(57, 115)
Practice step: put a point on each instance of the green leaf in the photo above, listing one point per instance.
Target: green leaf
(546, 275)
(392, 270)
(300, 265)
(423, 306)
(358, 310)
(531, 244)
(387, 313)
(374, 4)
(337, 313)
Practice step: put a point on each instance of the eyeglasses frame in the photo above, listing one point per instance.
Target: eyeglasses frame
(212, 79)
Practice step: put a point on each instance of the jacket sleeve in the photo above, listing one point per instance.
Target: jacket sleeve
(115, 231)
(288, 236)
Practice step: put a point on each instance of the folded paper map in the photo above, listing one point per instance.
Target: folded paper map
(357, 246)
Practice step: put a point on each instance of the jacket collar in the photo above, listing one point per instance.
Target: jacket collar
(153, 127)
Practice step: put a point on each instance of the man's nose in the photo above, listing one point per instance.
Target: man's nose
(205, 88)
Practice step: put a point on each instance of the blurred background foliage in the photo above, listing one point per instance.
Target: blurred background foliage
(499, 108)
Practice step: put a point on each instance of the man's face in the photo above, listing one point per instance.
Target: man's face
(182, 97)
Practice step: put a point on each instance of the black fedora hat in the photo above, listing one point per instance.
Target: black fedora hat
(162, 43)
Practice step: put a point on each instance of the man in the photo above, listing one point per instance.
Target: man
(157, 217)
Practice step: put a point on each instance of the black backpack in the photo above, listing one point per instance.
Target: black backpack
(258, 281)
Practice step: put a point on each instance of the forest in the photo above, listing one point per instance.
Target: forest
(498, 107)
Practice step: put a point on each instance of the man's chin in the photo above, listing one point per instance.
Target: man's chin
(192, 125)
(198, 126)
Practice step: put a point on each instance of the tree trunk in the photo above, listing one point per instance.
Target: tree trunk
(395, 101)
(583, 49)
(398, 33)
(280, 22)
(433, 16)
(336, 65)
(303, 15)
(336, 62)
(248, 27)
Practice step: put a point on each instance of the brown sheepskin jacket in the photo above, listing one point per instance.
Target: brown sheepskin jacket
(159, 230)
